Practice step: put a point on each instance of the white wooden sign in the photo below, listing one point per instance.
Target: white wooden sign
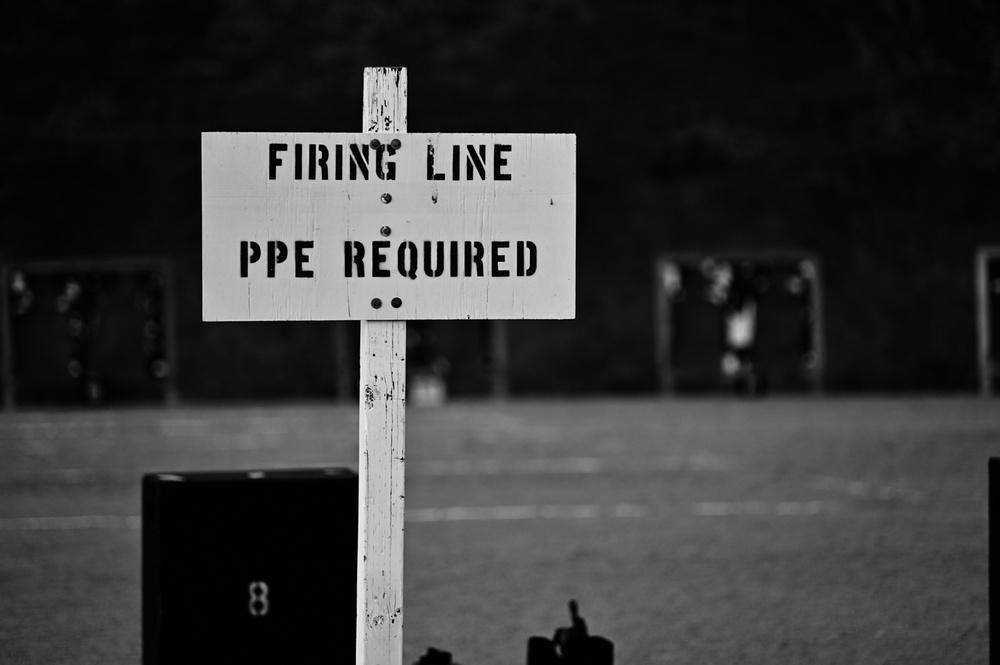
(344, 226)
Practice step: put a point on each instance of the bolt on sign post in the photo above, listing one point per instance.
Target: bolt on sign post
(382, 227)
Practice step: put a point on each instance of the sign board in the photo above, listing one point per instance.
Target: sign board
(304, 226)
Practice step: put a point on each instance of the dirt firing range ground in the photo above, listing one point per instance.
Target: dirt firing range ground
(691, 531)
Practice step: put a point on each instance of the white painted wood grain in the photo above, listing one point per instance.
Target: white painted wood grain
(382, 438)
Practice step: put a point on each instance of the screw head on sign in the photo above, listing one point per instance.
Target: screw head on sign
(376, 303)
(375, 144)
(385, 231)
(386, 197)
(396, 144)
(397, 303)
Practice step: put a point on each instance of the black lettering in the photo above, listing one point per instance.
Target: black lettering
(454, 258)
(277, 252)
(385, 169)
(431, 175)
(455, 162)
(354, 254)
(249, 253)
(324, 155)
(439, 268)
(474, 257)
(378, 258)
(321, 161)
(359, 161)
(273, 160)
(499, 258)
(301, 258)
(298, 161)
(338, 162)
(530, 246)
(479, 160)
(408, 268)
(499, 161)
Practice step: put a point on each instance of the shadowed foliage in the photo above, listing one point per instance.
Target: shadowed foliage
(864, 132)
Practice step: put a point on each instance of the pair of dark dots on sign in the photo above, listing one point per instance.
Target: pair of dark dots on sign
(395, 144)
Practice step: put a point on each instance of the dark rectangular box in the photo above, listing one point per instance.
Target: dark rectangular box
(993, 537)
(249, 567)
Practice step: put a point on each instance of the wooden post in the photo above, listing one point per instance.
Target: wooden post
(170, 393)
(818, 333)
(663, 310)
(500, 356)
(983, 321)
(382, 434)
(343, 367)
(6, 357)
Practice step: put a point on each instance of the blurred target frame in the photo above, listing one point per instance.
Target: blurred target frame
(77, 333)
(747, 322)
(988, 319)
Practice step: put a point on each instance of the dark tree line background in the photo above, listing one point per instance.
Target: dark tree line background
(863, 131)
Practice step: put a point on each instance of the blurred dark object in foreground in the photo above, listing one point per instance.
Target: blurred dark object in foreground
(993, 546)
(87, 332)
(573, 645)
(254, 567)
(435, 657)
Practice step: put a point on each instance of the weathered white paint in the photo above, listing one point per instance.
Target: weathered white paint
(382, 437)
(241, 203)
(382, 451)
